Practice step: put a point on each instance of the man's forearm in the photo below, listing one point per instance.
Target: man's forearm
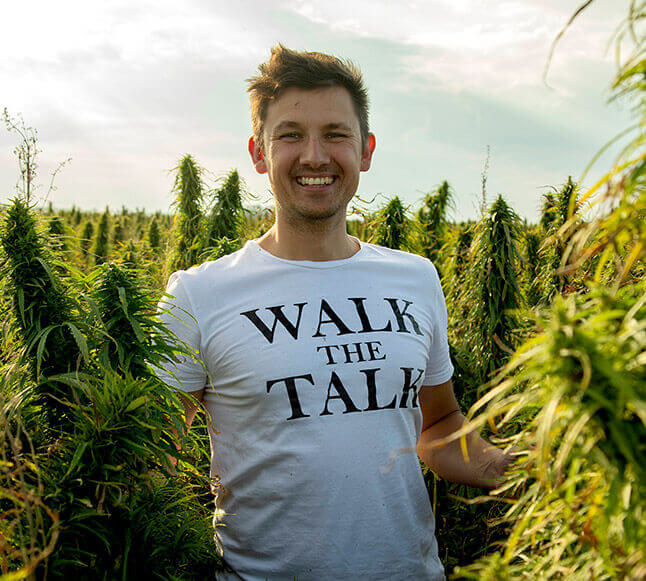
(191, 405)
(484, 466)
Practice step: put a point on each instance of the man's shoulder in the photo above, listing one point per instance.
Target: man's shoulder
(401, 257)
(205, 271)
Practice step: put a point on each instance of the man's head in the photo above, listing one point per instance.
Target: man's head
(304, 70)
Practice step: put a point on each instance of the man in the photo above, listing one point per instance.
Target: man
(326, 362)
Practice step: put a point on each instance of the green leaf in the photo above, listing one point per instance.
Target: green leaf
(80, 340)
(123, 299)
(135, 403)
(78, 453)
(41, 344)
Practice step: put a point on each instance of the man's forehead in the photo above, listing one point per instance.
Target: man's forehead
(325, 106)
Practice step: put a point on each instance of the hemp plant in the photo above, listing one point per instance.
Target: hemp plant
(563, 220)
(391, 225)
(454, 278)
(44, 313)
(189, 194)
(226, 219)
(118, 234)
(58, 235)
(533, 267)
(220, 248)
(132, 339)
(432, 218)
(578, 389)
(101, 246)
(30, 528)
(87, 234)
(495, 288)
(154, 240)
(125, 510)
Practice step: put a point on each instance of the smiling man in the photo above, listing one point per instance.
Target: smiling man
(314, 153)
(325, 358)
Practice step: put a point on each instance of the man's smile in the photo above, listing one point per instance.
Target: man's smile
(315, 181)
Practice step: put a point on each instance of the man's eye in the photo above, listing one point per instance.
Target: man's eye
(336, 135)
(291, 135)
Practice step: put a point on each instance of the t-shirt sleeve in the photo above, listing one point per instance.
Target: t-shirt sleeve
(439, 368)
(187, 372)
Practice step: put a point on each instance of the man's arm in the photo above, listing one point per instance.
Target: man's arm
(191, 401)
(441, 417)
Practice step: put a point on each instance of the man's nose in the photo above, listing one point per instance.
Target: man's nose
(314, 153)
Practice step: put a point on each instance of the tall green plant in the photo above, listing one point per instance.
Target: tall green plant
(57, 234)
(188, 191)
(578, 390)
(481, 285)
(111, 482)
(132, 339)
(548, 212)
(457, 286)
(432, 218)
(457, 263)
(154, 239)
(564, 210)
(29, 529)
(118, 233)
(87, 234)
(495, 288)
(533, 267)
(392, 225)
(43, 310)
(76, 216)
(101, 247)
(226, 218)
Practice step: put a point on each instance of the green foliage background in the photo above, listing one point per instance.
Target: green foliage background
(99, 478)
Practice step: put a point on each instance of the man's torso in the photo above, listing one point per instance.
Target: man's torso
(313, 372)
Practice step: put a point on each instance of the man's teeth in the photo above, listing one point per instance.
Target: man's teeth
(315, 181)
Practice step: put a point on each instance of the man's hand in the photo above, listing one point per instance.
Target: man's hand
(467, 460)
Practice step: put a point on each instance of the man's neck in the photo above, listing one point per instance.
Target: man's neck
(317, 245)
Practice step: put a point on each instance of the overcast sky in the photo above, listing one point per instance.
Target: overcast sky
(126, 88)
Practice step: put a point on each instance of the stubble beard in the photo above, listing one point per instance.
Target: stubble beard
(309, 220)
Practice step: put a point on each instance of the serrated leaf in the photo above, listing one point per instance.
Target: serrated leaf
(80, 340)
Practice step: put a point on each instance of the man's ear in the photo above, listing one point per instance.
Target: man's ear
(256, 156)
(369, 149)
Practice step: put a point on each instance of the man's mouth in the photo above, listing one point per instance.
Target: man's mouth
(315, 181)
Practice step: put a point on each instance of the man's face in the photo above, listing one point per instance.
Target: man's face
(312, 153)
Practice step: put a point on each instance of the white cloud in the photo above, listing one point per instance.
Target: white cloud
(488, 46)
(141, 31)
(127, 87)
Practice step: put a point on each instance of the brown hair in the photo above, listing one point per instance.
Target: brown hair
(304, 70)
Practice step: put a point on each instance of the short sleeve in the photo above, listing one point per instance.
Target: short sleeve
(187, 373)
(439, 368)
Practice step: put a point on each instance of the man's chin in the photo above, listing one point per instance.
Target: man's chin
(317, 216)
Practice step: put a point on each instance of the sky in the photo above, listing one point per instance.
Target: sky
(127, 88)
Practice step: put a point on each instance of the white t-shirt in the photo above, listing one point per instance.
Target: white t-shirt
(311, 372)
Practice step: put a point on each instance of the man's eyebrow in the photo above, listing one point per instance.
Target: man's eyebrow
(286, 125)
(295, 125)
(342, 126)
